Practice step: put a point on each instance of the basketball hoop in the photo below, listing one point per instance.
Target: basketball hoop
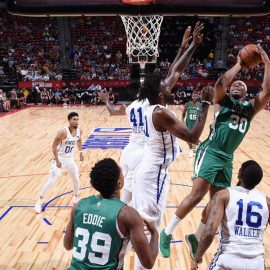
(142, 36)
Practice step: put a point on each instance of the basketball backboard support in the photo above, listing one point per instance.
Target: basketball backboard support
(158, 7)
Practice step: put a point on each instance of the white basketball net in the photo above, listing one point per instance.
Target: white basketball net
(142, 34)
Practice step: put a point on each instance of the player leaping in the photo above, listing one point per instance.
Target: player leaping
(213, 162)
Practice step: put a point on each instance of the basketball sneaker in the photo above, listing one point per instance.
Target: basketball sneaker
(75, 199)
(38, 206)
(164, 244)
(192, 244)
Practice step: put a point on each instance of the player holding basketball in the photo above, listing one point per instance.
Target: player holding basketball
(190, 114)
(213, 162)
(101, 225)
(63, 150)
(132, 155)
(243, 214)
(162, 128)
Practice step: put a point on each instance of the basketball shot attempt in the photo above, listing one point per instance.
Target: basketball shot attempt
(63, 151)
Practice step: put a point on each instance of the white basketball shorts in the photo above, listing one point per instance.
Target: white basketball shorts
(150, 189)
(233, 262)
(130, 158)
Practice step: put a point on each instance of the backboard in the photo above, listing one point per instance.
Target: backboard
(157, 7)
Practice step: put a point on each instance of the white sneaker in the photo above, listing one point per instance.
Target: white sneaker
(191, 153)
(38, 207)
(75, 199)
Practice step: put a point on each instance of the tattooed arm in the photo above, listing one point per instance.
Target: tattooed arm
(224, 81)
(218, 206)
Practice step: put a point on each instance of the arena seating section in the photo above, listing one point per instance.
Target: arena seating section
(29, 49)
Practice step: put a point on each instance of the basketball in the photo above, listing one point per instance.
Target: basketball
(250, 56)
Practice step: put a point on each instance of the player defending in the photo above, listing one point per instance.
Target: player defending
(243, 214)
(213, 162)
(133, 153)
(101, 225)
(63, 150)
(190, 114)
(162, 127)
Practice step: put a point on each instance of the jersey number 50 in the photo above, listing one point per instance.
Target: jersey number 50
(102, 250)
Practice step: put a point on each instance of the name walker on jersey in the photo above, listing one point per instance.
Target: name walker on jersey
(247, 232)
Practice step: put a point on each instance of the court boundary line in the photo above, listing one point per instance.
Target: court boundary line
(46, 205)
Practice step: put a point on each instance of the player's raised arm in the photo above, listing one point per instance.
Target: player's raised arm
(263, 98)
(224, 81)
(113, 110)
(183, 62)
(61, 135)
(132, 226)
(184, 45)
(167, 120)
(218, 205)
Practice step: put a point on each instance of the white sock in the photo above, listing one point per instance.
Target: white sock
(199, 231)
(172, 224)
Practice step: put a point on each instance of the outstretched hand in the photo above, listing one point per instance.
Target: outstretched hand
(208, 93)
(197, 33)
(103, 95)
(186, 38)
(244, 67)
(262, 52)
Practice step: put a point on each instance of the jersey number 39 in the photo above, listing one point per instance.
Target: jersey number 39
(103, 251)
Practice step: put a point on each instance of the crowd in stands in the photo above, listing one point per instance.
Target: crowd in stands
(29, 48)
(100, 43)
(72, 95)
(99, 46)
(30, 52)
(243, 31)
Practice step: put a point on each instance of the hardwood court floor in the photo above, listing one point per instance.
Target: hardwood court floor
(31, 241)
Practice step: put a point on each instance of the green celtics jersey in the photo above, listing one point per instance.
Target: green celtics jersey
(231, 125)
(192, 113)
(97, 242)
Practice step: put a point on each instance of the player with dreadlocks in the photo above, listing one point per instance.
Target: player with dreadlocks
(151, 179)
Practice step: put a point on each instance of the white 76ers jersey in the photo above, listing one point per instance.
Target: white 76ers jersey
(244, 223)
(67, 146)
(136, 117)
(161, 147)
